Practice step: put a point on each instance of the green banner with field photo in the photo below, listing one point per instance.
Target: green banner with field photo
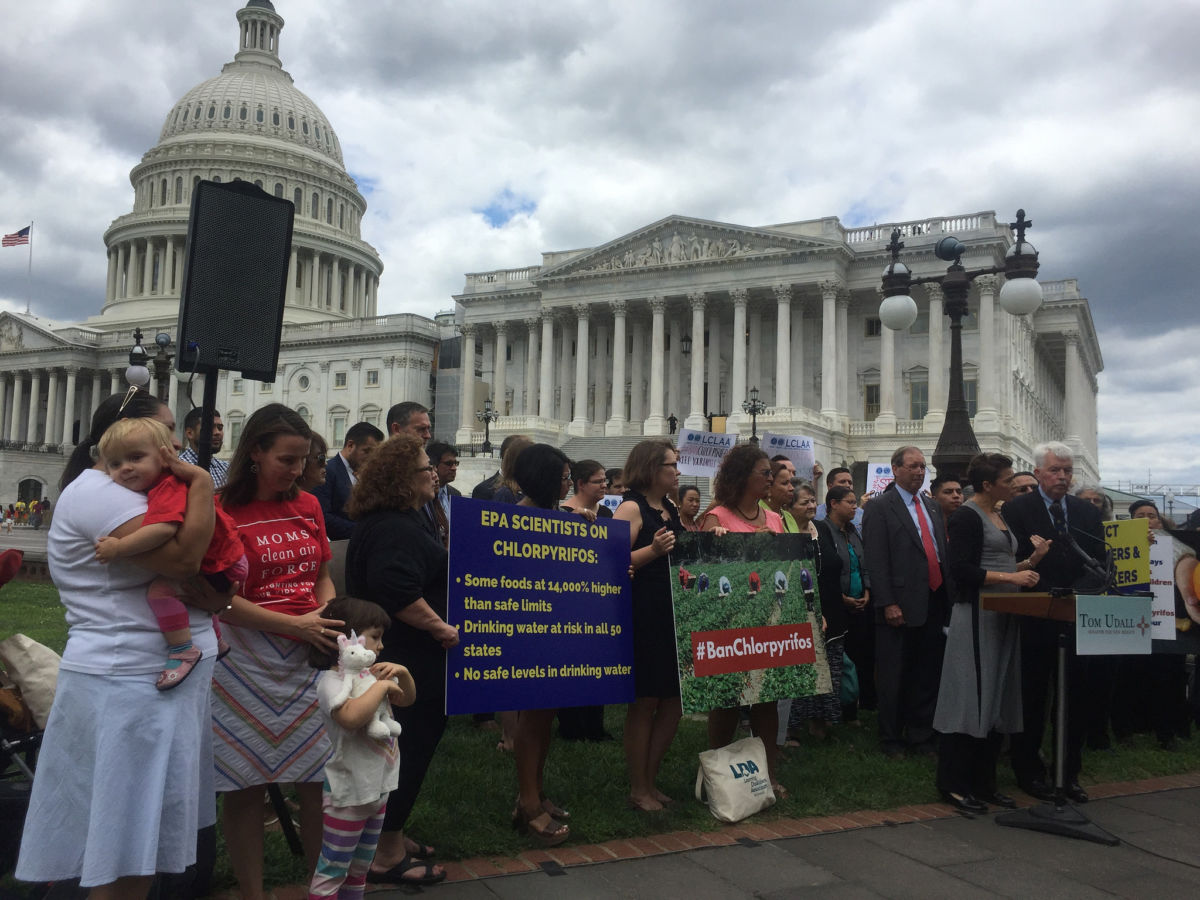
(747, 619)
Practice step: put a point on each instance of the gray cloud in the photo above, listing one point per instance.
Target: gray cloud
(600, 117)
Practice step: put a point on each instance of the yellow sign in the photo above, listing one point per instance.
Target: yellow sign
(1129, 540)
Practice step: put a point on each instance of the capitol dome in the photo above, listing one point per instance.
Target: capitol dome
(249, 123)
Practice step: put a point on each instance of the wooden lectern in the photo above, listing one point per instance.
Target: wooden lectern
(1057, 817)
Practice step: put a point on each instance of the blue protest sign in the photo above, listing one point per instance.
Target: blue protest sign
(542, 603)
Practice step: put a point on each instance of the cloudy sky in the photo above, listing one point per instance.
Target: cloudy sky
(485, 132)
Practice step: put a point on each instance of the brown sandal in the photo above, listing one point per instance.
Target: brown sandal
(543, 827)
(554, 809)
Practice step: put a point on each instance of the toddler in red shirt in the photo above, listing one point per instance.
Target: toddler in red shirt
(130, 453)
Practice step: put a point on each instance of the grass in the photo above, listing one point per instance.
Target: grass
(468, 795)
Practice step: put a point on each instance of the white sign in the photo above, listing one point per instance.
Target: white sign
(796, 447)
(701, 452)
(612, 501)
(879, 476)
(1112, 625)
(1162, 583)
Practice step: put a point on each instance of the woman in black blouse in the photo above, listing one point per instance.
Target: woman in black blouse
(394, 560)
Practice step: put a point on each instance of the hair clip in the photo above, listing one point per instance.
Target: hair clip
(133, 389)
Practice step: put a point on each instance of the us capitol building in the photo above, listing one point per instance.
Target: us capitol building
(590, 349)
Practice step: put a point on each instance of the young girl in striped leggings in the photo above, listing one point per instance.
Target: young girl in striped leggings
(362, 770)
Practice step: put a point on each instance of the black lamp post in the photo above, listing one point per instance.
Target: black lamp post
(1020, 294)
(754, 408)
(162, 366)
(487, 416)
(137, 375)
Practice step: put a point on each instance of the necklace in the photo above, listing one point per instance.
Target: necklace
(753, 518)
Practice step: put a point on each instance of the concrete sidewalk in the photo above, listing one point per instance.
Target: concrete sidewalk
(950, 856)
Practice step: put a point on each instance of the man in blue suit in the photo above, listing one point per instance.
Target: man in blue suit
(361, 439)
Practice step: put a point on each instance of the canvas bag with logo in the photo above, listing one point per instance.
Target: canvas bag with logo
(735, 779)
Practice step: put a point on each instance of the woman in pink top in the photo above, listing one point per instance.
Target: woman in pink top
(744, 479)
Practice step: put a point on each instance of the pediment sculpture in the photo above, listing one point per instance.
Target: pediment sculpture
(690, 246)
(12, 336)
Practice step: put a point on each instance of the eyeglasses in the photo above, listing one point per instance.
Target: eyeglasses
(601, 481)
(672, 465)
(763, 473)
(567, 478)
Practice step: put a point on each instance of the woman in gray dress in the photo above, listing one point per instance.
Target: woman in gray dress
(980, 695)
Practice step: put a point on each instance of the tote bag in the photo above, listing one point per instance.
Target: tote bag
(735, 780)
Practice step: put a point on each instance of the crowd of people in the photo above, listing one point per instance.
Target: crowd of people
(229, 576)
(33, 514)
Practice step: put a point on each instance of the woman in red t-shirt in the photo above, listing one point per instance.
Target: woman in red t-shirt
(266, 724)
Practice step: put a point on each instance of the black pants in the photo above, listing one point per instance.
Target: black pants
(860, 647)
(1150, 695)
(1039, 677)
(423, 724)
(908, 673)
(967, 765)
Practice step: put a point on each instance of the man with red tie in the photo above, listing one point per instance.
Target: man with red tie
(904, 536)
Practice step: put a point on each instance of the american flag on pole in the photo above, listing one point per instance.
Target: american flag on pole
(17, 238)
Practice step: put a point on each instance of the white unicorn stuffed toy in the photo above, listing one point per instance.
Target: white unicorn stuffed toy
(354, 664)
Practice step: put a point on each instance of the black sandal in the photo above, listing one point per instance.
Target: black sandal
(395, 875)
(422, 851)
(549, 834)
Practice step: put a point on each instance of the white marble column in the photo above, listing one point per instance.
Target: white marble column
(564, 366)
(4, 406)
(120, 286)
(32, 432)
(885, 422)
(110, 285)
(987, 417)
(93, 402)
(18, 406)
(529, 406)
(637, 372)
(656, 422)
(783, 345)
(602, 367)
(755, 353)
(289, 296)
(336, 302)
(1074, 381)
(52, 400)
(675, 368)
(843, 344)
(579, 422)
(714, 361)
(797, 352)
(500, 369)
(545, 406)
(148, 268)
(695, 418)
(68, 424)
(829, 348)
(173, 396)
(617, 419)
(311, 287)
(741, 299)
(466, 396)
(116, 383)
(169, 287)
(939, 386)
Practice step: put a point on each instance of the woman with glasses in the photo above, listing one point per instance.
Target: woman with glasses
(743, 479)
(395, 561)
(586, 723)
(314, 467)
(651, 476)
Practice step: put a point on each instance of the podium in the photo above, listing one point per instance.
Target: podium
(1057, 816)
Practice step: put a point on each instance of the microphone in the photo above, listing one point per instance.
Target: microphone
(1101, 576)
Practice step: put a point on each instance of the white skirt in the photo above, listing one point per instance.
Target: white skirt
(124, 779)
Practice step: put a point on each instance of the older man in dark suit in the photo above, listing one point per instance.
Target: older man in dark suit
(1075, 531)
(905, 540)
(360, 440)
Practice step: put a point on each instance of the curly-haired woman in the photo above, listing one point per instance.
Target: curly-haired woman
(395, 561)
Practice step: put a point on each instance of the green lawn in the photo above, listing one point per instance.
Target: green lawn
(465, 805)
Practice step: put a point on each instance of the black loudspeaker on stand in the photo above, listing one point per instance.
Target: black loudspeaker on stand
(234, 285)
